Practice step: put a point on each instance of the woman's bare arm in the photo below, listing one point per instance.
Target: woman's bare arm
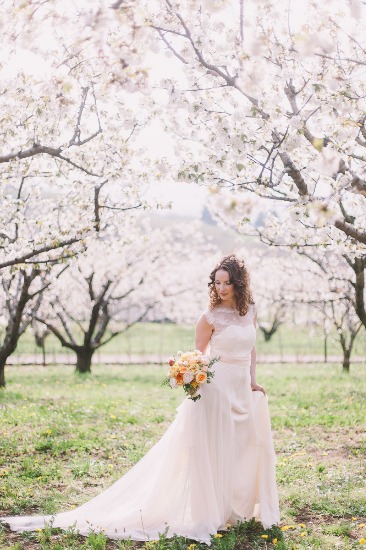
(253, 364)
(203, 334)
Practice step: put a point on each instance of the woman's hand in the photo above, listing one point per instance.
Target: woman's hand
(257, 387)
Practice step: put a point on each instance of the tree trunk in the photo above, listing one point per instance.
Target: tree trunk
(43, 354)
(326, 348)
(4, 355)
(2, 373)
(346, 360)
(359, 266)
(268, 333)
(84, 360)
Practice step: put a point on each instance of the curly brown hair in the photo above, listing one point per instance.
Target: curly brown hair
(239, 277)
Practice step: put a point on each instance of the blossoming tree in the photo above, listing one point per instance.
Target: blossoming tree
(67, 146)
(119, 281)
(329, 289)
(280, 103)
(268, 105)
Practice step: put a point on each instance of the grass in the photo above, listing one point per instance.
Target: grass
(63, 438)
(162, 338)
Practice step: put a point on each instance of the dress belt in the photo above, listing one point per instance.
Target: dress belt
(230, 360)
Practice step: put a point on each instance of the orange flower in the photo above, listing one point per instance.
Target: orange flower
(179, 379)
(201, 377)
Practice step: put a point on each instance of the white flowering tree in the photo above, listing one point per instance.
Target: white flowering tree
(68, 123)
(267, 102)
(68, 150)
(271, 275)
(103, 293)
(119, 281)
(329, 289)
(20, 298)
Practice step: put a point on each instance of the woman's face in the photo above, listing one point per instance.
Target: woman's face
(224, 287)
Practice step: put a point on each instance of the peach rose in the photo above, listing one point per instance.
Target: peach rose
(179, 379)
(201, 377)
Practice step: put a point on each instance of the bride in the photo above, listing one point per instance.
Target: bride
(216, 463)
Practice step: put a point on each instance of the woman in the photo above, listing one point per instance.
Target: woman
(215, 463)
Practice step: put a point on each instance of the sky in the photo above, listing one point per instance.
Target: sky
(188, 199)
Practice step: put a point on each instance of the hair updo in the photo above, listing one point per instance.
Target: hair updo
(239, 277)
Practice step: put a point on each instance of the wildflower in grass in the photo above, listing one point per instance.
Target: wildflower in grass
(361, 525)
(354, 519)
(362, 541)
(302, 525)
(264, 536)
(218, 536)
(192, 546)
(39, 530)
(285, 527)
(274, 541)
(303, 534)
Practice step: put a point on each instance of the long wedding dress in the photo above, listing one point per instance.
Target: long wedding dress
(215, 463)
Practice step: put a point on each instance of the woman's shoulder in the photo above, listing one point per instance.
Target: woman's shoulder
(209, 315)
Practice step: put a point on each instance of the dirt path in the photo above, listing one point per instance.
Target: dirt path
(138, 359)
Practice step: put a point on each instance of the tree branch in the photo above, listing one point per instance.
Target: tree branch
(52, 246)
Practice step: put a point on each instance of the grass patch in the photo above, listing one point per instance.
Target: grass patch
(64, 438)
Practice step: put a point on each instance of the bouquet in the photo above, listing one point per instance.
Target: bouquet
(189, 369)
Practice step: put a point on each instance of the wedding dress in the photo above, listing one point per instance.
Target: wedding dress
(215, 464)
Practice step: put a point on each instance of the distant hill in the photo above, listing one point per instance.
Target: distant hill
(226, 239)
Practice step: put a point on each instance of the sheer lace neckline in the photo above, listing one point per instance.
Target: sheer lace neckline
(221, 317)
(223, 308)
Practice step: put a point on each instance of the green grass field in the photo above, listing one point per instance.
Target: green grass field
(165, 338)
(63, 438)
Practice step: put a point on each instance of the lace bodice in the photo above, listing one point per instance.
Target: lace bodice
(234, 335)
(222, 317)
